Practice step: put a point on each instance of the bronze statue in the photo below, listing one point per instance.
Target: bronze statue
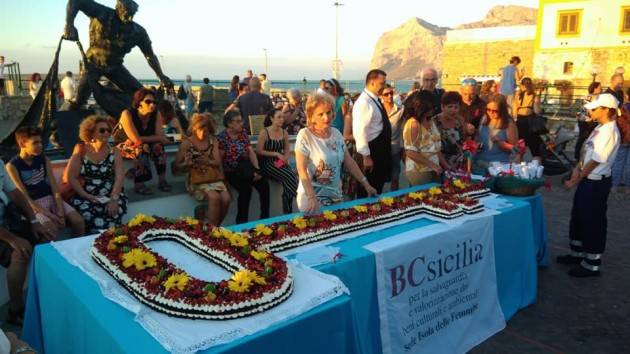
(112, 35)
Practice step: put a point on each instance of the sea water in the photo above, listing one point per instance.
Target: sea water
(353, 86)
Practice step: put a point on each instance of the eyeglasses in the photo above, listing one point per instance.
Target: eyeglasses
(492, 110)
(385, 94)
(105, 130)
(149, 102)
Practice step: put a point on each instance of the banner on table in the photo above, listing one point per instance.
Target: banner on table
(437, 288)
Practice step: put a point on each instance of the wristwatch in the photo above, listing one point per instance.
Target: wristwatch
(34, 221)
(115, 197)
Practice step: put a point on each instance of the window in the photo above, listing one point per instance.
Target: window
(625, 19)
(569, 22)
(568, 67)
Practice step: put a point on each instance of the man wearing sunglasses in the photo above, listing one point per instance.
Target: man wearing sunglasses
(113, 34)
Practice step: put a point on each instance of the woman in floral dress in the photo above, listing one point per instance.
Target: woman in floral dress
(101, 200)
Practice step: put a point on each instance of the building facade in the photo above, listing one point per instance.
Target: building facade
(579, 41)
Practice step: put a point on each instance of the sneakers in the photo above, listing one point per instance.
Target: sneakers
(581, 272)
(569, 259)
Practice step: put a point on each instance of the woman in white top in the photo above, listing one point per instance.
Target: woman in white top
(35, 84)
(320, 153)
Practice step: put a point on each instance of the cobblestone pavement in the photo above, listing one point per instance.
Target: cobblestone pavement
(571, 315)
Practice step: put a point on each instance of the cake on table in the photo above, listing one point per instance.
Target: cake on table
(260, 279)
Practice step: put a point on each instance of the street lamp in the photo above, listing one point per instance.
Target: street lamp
(266, 62)
(337, 62)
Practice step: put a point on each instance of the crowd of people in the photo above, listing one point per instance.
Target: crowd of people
(344, 149)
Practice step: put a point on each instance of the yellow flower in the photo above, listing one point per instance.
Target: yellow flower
(360, 208)
(120, 239)
(459, 184)
(435, 191)
(257, 278)
(139, 219)
(178, 280)
(237, 240)
(299, 222)
(329, 215)
(389, 201)
(240, 282)
(261, 229)
(139, 258)
(416, 195)
(191, 221)
(259, 255)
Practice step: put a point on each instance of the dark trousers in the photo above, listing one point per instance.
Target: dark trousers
(205, 106)
(152, 152)
(244, 189)
(588, 227)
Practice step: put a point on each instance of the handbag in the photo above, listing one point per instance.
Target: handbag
(65, 188)
(205, 174)
(202, 174)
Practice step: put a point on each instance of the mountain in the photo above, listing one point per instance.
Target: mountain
(404, 51)
(500, 15)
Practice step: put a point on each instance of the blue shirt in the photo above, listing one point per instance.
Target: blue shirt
(508, 80)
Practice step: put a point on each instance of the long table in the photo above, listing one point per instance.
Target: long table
(520, 243)
(66, 311)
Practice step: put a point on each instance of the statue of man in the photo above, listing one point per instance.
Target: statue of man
(112, 35)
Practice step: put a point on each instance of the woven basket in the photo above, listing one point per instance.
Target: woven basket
(515, 186)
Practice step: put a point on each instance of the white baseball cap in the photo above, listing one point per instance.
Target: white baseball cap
(604, 100)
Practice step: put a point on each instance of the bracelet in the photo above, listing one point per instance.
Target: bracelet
(24, 349)
(363, 179)
(35, 221)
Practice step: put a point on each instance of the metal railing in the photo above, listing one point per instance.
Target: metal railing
(13, 74)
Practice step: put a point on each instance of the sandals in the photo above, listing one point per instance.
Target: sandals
(165, 187)
(143, 190)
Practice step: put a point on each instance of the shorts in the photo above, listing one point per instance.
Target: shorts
(19, 227)
(48, 203)
(199, 191)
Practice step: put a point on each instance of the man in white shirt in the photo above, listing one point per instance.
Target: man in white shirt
(69, 88)
(373, 132)
(265, 84)
(587, 230)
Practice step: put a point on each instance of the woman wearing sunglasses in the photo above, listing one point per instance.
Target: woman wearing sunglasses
(100, 198)
(143, 126)
(497, 133)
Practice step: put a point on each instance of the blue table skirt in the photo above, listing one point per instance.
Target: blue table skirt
(341, 326)
(515, 242)
(67, 313)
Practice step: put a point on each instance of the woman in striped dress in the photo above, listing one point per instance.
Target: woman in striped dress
(272, 147)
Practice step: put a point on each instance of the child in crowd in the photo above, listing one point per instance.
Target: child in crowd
(32, 174)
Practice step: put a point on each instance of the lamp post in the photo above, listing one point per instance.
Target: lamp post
(266, 62)
(336, 62)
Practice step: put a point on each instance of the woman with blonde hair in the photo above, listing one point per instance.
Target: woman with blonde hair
(320, 155)
(199, 156)
(100, 199)
(488, 88)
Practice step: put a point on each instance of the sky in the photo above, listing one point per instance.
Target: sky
(218, 39)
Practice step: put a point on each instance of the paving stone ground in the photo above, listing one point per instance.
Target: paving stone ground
(575, 315)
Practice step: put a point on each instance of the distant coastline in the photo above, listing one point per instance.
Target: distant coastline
(283, 85)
